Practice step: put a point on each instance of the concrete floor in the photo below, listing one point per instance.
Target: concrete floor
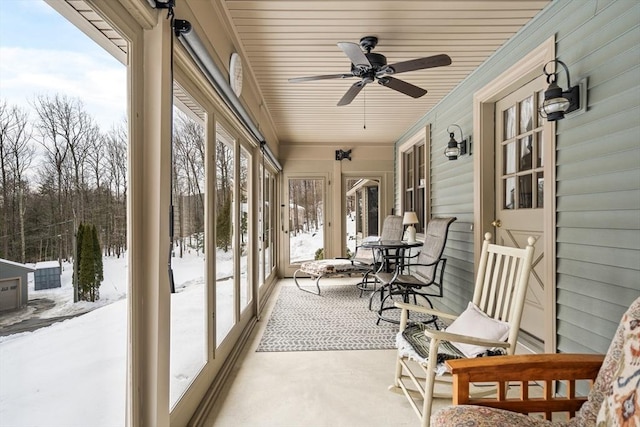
(312, 388)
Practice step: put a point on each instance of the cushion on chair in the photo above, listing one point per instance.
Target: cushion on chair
(482, 416)
(622, 403)
(323, 267)
(474, 323)
(609, 372)
(413, 339)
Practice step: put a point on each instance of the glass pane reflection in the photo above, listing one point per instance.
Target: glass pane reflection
(510, 158)
(509, 193)
(540, 195)
(525, 192)
(539, 145)
(509, 117)
(526, 114)
(526, 153)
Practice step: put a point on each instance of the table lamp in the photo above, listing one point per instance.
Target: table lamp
(409, 219)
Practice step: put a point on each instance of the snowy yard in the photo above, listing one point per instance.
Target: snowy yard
(73, 373)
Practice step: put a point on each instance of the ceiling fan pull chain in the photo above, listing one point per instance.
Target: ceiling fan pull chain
(364, 115)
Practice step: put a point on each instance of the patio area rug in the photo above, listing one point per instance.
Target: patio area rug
(338, 319)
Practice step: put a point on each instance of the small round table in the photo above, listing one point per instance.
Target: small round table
(385, 251)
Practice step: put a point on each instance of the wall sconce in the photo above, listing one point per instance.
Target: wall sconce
(409, 219)
(341, 155)
(558, 102)
(455, 148)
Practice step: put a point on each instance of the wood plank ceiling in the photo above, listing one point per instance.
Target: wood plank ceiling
(294, 38)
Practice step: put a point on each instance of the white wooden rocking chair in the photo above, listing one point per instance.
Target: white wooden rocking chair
(491, 321)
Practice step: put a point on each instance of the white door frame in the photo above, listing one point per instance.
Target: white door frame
(523, 71)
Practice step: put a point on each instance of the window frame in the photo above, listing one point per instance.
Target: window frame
(414, 184)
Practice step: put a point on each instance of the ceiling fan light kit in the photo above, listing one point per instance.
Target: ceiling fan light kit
(369, 67)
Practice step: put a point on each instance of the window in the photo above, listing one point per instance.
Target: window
(414, 172)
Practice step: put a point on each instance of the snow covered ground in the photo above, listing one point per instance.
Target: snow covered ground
(73, 373)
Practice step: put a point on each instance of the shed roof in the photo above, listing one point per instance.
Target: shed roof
(16, 264)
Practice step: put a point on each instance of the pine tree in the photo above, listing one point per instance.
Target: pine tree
(76, 262)
(97, 257)
(223, 225)
(90, 272)
(87, 274)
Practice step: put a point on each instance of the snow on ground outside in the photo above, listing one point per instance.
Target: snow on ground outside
(73, 373)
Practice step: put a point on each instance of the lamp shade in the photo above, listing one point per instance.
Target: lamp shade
(410, 218)
(452, 151)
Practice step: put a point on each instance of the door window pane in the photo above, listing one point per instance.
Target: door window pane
(362, 211)
(539, 145)
(225, 287)
(526, 153)
(526, 114)
(509, 120)
(509, 157)
(540, 195)
(509, 193)
(245, 283)
(525, 191)
(306, 220)
(188, 301)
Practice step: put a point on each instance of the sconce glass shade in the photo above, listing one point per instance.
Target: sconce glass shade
(410, 218)
(555, 104)
(452, 151)
(558, 102)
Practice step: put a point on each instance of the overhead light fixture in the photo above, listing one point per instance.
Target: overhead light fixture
(162, 4)
(342, 155)
(454, 148)
(558, 102)
(409, 219)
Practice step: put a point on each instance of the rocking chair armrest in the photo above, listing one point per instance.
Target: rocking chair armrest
(425, 310)
(465, 339)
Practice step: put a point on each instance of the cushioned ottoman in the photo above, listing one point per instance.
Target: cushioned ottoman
(327, 267)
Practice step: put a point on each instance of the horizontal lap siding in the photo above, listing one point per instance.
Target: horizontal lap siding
(598, 179)
(597, 174)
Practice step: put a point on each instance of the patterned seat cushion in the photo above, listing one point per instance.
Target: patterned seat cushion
(324, 267)
(608, 405)
(482, 416)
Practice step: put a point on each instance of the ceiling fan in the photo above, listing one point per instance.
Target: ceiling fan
(371, 66)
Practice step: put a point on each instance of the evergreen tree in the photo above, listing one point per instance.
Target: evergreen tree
(76, 262)
(223, 225)
(97, 253)
(97, 257)
(90, 273)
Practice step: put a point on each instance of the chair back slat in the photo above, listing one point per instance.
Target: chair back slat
(503, 276)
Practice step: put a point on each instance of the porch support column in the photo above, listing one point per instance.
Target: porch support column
(148, 225)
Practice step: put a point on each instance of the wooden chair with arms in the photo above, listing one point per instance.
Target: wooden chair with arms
(614, 398)
(491, 320)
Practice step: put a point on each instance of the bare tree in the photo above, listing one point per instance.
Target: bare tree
(188, 177)
(16, 155)
(5, 128)
(116, 161)
(64, 129)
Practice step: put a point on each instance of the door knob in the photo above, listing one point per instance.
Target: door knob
(497, 223)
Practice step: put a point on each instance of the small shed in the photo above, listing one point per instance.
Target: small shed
(13, 284)
(47, 275)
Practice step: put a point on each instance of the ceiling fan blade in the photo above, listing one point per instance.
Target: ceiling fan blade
(355, 54)
(325, 77)
(419, 64)
(402, 87)
(353, 91)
